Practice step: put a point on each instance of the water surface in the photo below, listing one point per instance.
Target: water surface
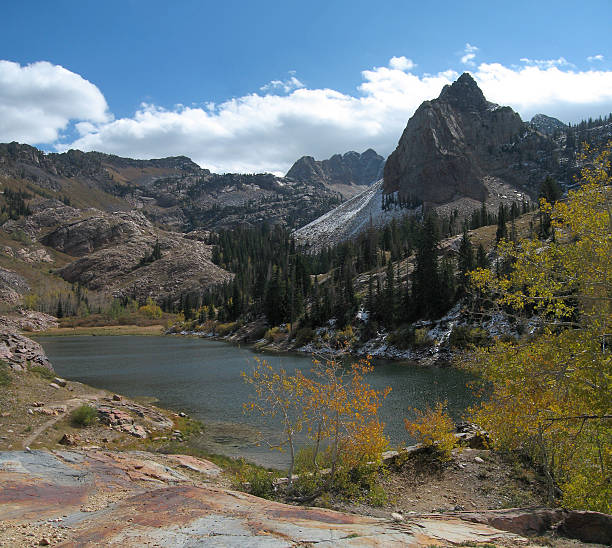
(202, 378)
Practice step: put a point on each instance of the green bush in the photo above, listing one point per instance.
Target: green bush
(260, 481)
(402, 338)
(223, 329)
(463, 336)
(421, 338)
(85, 415)
(304, 336)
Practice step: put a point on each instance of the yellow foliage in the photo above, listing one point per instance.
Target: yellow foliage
(434, 428)
(333, 403)
(551, 395)
(150, 309)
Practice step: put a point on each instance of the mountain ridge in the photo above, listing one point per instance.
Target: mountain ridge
(345, 173)
(451, 143)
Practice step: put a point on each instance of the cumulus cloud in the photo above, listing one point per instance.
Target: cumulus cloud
(270, 129)
(38, 101)
(469, 53)
(284, 86)
(268, 132)
(565, 94)
(598, 57)
(547, 63)
(401, 63)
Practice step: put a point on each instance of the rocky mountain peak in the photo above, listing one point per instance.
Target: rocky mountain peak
(454, 143)
(547, 124)
(464, 93)
(340, 171)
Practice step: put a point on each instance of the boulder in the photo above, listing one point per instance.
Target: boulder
(587, 527)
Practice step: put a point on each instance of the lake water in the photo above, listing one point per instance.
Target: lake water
(202, 378)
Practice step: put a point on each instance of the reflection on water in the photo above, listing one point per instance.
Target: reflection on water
(202, 378)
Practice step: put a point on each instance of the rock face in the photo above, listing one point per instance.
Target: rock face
(20, 352)
(349, 169)
(104, 498)
(547, 124)
(88, 235)
(455, 141)
(347, 220)
(173, 191)
(110, 249)
(12, 286)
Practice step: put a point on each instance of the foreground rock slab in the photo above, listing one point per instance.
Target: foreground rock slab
(102, 498)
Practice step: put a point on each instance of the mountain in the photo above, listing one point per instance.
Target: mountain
(90, 220)
(103, 252)
(454, 143)
(348, 219)
(173, 192)
(547, 124)
(345, 173)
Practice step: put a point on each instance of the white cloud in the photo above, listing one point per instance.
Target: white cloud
(469, 55)
(38, 101)
(284, 86)
(547, 63)
(401, 63)
(565, 94)
(598, 57)
(269, 130)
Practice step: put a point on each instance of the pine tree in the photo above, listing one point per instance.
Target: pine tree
(481, 257)
(425, 277)
(465, 260)
(502, 229)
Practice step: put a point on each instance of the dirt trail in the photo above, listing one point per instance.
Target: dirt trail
(70, 406)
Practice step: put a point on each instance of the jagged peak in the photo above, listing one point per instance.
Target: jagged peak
(464, 93)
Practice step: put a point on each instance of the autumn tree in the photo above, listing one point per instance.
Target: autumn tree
(551, 394)
(278, 394)
(333, 402)
(342, 411)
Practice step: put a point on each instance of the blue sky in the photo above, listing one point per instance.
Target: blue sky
(251, 86)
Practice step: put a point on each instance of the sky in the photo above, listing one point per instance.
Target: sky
(243, 86)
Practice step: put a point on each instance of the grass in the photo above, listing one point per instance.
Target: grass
(5, 376)
(42, 372)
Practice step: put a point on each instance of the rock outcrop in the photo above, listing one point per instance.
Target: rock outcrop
(547, 124)
(452, 143)
(111, 251)
(172, 191)
(341, 170)
(20, 352)
(94, 498)
(12, 287)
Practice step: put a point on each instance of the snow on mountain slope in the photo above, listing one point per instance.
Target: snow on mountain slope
(348, 219)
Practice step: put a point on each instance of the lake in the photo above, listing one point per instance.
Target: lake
(202, 378)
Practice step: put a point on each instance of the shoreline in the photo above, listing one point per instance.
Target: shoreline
(99, 331)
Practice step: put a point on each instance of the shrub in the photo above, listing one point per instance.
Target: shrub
(463, 336)
(434, 428)
(304, 336)
(274, 334)
(85, 415)
(402, 338)
(345, 336)
(223, 329)
(151, 309)
(421, 338)
(261, 482)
